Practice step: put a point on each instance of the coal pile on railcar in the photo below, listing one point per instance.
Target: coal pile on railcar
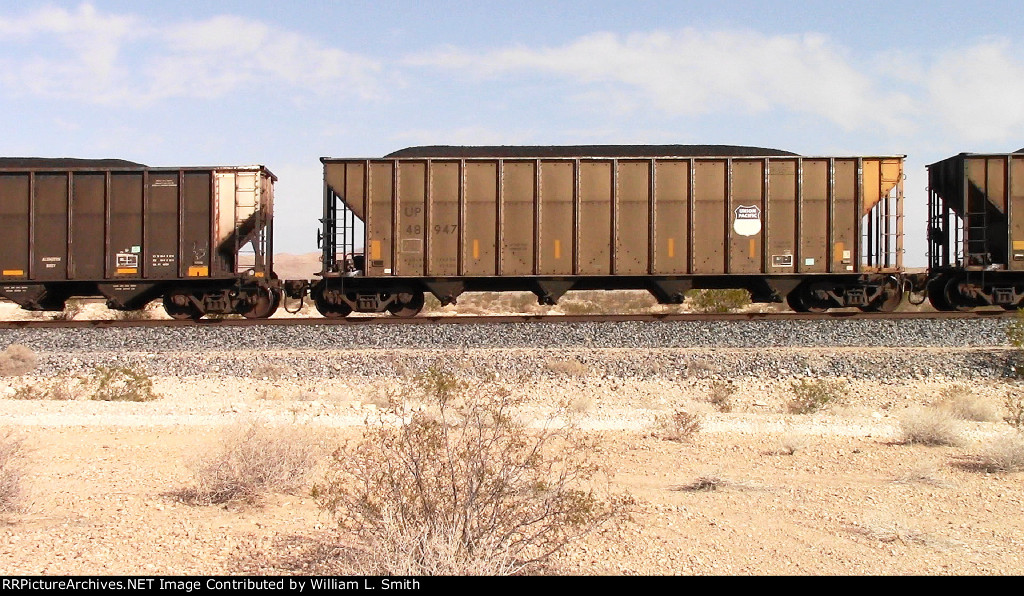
(534, 151)
(66, 163)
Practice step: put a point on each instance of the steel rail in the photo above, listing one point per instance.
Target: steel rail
(502, 319)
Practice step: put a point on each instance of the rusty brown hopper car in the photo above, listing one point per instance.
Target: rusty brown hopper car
(818, 232)
(200, 238)
(976, 231)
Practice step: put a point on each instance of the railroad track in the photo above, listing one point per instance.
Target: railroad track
(492, 319)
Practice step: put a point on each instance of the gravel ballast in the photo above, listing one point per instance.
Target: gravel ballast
(976, 332)
(861, 348)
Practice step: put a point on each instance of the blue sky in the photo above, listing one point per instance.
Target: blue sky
(283, 84)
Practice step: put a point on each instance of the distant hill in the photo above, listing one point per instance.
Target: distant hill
(304, 266)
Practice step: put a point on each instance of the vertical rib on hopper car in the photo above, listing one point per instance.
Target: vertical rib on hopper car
(819, 232)
(200, 238)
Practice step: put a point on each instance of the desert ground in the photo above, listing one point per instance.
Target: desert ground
(755, 489)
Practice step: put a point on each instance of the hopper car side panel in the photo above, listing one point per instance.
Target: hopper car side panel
(553, 224)
(132, 234)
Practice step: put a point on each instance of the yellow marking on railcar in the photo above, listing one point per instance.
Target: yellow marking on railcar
(127, 270)
(14, 272)
(837, 253)
(753, 247)
(558, 249)
(671, 247)
(375, 250)
(476, 248)
(198, 271)
(1018, 245)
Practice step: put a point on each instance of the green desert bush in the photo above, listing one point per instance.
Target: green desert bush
(718, 301)
(119, 383)
(812, 395)
(459, 485)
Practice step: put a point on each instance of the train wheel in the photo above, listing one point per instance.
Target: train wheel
(800, 300)
(890, 299)
(266, 304)
(793, 300)
(407, 304)
(330, 310)
(937, 294)
(955, 299)
(180, 306)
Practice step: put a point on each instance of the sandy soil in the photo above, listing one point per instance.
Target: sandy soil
(852, 499)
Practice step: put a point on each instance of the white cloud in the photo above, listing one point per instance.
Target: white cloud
(89, 56)
(978, 92)
(697, 72)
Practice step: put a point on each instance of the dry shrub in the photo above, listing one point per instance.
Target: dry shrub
(702, 368)
(704, 484)
(72, 308)
(929, 426)
(582, 404)
(463, 487)
(1015, 409)
(140, 314)
(889, 530)
(103, 383)
(605, 301)
(11, 455)
(269, 371)
(680, 426)
(720, 395)
(812, 395)
(570, 367)
(714, 482)
(961, 402)
(17, 360)
(1005, 453)
(58, 389)
(791, 442)
(920, 473)
(431, 305)
(579, 307)
(253, 460)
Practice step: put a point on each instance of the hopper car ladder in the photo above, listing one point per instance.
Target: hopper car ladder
(338, 237)
(881, 236)
(250, 226)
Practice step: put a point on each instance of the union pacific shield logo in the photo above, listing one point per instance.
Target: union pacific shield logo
(748, 220)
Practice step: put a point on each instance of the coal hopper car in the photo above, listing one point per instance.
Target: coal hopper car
(816, 232)
(976, 231)
(199, 238)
